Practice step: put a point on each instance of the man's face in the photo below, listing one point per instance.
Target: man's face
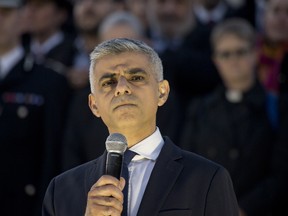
(170, 16)
(234, 58)
(9, 20)
(89, 13)
(44, 17)
(276, 20)
(126, 93)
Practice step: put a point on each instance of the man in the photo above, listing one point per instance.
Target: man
(239, 123)
(88, 15)
(83, 128)
(46, 40)
(183, 48)
(127, 86)
(32, 107)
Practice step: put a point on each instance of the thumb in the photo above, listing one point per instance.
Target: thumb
(122, 183)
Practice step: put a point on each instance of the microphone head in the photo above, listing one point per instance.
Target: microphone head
(116, 142)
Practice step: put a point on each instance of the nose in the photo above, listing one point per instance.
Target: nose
(122, 87)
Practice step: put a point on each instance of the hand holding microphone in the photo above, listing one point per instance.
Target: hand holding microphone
(105, 196)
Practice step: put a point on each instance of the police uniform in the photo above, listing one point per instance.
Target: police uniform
(32, 108)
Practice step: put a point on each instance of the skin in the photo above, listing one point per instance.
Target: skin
(9, 35)
(126, 96)
(44, 19)
(236, 72)
(276, 21)
(173, 18)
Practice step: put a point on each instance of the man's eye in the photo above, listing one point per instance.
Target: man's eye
(108, 83)
(137, 78)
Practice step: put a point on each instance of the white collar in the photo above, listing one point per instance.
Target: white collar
(206, 16)
(49, 44)
(10, 59)
(150, 147)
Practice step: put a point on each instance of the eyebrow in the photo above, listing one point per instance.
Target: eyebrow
(131, 71)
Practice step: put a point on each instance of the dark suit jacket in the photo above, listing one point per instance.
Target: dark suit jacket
(181, 183)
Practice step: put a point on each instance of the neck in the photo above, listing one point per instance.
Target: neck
(90, 41)
(5, 48)
(240, 86)
(44, 36)
(134, 136)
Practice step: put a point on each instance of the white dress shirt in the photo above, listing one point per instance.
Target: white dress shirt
(140, 168)
(9, 60)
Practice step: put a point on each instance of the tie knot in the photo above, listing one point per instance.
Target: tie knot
(128, 156)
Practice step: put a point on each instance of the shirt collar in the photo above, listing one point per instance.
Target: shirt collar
(150, 147)
(49, 44)
(9, 60)
(215, 15)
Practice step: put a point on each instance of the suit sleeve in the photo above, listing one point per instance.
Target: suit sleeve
(221, 199)
(48, 203)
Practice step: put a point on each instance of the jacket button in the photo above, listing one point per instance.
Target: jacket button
(30, 190)
(22, 112)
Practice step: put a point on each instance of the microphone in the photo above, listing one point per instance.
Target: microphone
(116, 145)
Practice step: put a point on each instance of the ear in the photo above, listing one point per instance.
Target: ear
(92, 105)
(164, 90)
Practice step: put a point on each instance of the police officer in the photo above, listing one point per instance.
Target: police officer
(32, 106)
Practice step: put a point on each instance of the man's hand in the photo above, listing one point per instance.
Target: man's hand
(105, 197)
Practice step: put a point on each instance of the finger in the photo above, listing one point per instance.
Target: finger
(107, 191)
(105, 180)
(106, 201)
(103, 210)
(122, 183)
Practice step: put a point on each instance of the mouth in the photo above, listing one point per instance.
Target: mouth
(126, 105)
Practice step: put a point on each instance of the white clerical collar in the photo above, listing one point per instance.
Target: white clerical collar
(9, 60)
(49, 44)
(150, 147)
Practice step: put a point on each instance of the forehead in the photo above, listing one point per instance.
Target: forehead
(230, 40)
(119, 62)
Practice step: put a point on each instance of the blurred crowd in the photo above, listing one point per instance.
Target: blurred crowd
(226, 62)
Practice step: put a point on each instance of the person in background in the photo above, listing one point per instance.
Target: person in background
(33, 99)
(44, 37)
(232, 125)
(272, 48)
(88, 15)
(184, 50)
(138, 9)
(127, 87)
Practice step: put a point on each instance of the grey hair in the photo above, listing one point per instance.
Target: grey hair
(121, 45)
(121, 17)
(234, 26)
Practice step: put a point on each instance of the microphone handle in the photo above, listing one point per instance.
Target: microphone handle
(114, 164)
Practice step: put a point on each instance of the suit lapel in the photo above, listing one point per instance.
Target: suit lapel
(162, 179)
(96, 171)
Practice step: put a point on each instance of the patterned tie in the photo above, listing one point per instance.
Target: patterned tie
(128, 156)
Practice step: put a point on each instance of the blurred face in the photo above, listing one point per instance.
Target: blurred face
(138, 7)
(89, 13)
(276, 20)
(9, 33)
(44, 17)
(234, 59)
(126, 93)
(171, 17)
